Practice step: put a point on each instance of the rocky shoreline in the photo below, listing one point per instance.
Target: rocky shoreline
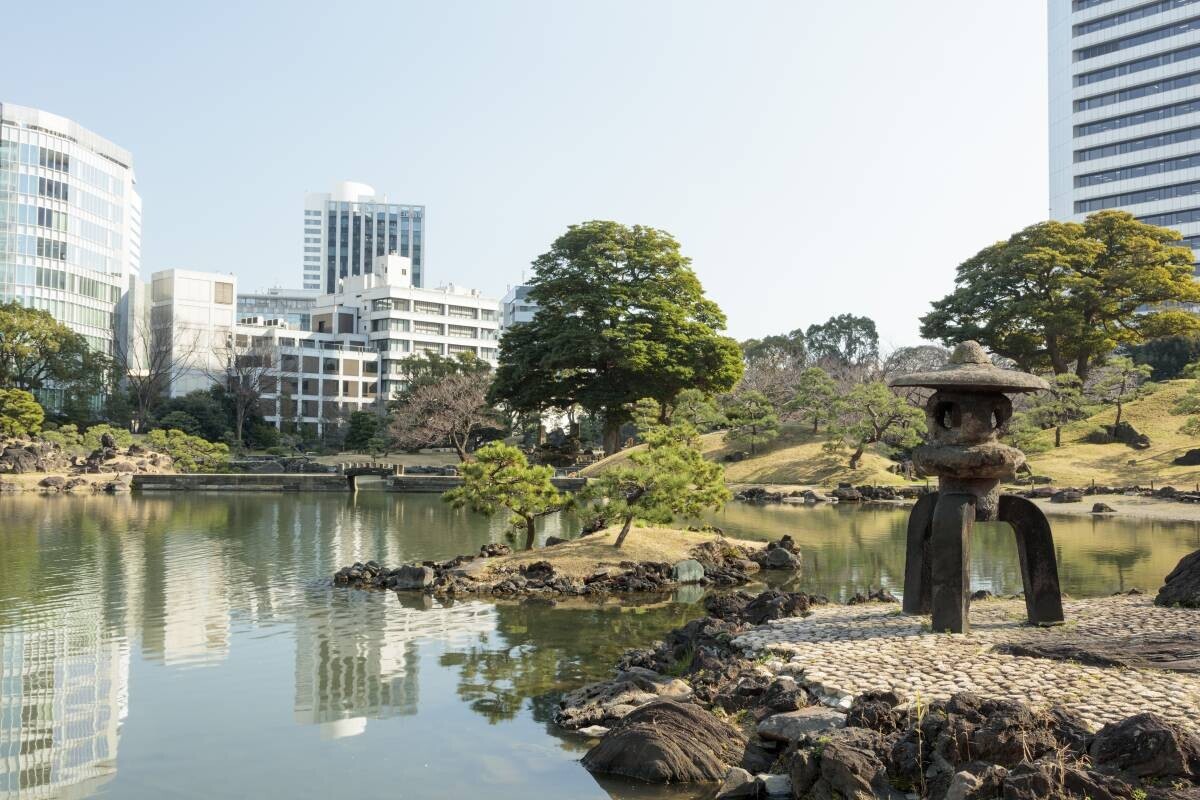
(705, 705)
(714, 563)
(108, 468)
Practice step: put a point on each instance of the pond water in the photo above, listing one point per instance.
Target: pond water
(191, 645)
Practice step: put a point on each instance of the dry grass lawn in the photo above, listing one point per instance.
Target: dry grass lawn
(584, 556)
(796, 458)
(1077, 462)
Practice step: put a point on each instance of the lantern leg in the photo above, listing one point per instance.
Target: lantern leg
(917, 586)
(1039, 565)
(950, 551)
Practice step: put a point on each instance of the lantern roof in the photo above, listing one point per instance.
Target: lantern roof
(970, 369)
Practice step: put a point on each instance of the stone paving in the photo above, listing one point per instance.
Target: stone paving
(842, 651)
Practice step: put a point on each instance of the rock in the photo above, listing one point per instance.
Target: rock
(607, 702)
(494, 549)
(845, 493)
(777, 558)
(687, 571)
(813, 497)
(1066, 496)
(1175, 652)
(1127, 434)
(1189, 459)
(1103, 508)
(1182, 586)
(593, 731)
(738, 783)
(668, 742)
(792, 726)
(775, 785)
(852, 767)
(55, 482)
(964, 786)
(538, 571)
(1050, 779)
(981, 594)
(1145, 745)
(410, 577)
(553, 540)
(774, 604)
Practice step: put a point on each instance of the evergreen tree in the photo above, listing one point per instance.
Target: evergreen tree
(501, 477)
(752, 419)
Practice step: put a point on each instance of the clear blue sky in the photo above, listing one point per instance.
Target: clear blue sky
(813, 156)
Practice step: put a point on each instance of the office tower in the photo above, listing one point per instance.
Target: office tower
(346, 230)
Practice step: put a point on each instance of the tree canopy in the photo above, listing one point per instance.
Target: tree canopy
(1062, 295)
(752, 419)
(38, 351)
(843, 340)
(449, 410)
(621, 315)
(871, 412)
(20, 414)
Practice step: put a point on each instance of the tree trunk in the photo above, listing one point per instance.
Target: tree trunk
(1058, 435)
(460, 448)
(1082, 367)
(1118, 422)
(529, 533)
(612, 436)
(816, 422)
(240, 420)
(856, 457)
(624, 531)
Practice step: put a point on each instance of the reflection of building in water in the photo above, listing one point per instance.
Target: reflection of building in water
(187, 614)
(357, 655)
(63, 694)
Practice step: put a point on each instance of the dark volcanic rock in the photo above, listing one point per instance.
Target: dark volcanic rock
(1182, 587)
(668, 742)
(1143, 746)
(1189, 459)
(1175, 653)
(494, 549)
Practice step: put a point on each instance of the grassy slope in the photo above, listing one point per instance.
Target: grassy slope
(795, 458)
(1078, 463)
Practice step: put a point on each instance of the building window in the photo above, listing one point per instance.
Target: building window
(1140, 65)
(427, 328)
(223, 293)
(1134, 145)
(1137, 39)
(462, 312)
(1138, 118)
(460, 331)
(1137, 171)
(423, 307)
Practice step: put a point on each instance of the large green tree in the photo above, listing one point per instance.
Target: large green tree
(871, 412)
(1062, 295)
(20, 414)
(814, 397)
(621, 316)
(752, 419)
(844, 340)
(37, 351)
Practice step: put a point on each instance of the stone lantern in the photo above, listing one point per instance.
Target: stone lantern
(964, 416)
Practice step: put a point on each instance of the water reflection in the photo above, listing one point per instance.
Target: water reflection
(193, 633)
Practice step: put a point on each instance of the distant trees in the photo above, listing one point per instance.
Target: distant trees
(621, 315)
(1063, 295)
(364, 426)
(844, 340)
(752, 419)
(20, 413)
(501, 477)
(1167, 355)
(669, 477)
(869, 413)
(1058, 406)
(813, 397)
(149, 366)
(1118, 382)
(245, 369)
(449, 410)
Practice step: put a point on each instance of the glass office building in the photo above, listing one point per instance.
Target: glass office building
(1125, 111)
(70, 224)
(292, 306)
(346, 230)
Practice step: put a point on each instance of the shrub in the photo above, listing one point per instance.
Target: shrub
(179, 421)
(1191, 427)
(20, 414)
(190, 453)
(1098, 436)
(91, 437)
(65, 436)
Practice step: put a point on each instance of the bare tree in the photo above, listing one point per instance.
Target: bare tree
(246, 368)
(150, 363)
(451, 409)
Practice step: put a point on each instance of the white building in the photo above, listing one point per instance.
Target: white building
(1125, 110)
(516, 307)
(70, 224)
(291, 306)
(352, 358)
(346, 230)
(192, 315)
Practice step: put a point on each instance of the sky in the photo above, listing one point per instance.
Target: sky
(812, 157)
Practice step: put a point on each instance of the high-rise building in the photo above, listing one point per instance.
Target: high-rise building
(1125, 110)
(516, 307)
(70, 224)
(345, 231)
(191, 321)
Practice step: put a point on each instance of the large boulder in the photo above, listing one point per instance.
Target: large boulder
(793, 726)
(607, 702)
(668, 742)
(689, 570)
(55, 482)
(1182, 587)
(411, 577)
(1145, 746)
(1189, 459)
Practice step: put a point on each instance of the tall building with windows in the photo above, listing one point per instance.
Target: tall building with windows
(516, 307)
(346, 230)
(293, 307)
(70, 224)
(1125, 110)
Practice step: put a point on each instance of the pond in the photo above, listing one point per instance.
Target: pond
(191, 646)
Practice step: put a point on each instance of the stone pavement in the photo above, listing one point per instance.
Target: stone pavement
(842, 651)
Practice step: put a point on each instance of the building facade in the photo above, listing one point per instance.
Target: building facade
(290, 306)
(1124, 80)
(191, 317)
(70, 225)
(516, 307)
(346, 230)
